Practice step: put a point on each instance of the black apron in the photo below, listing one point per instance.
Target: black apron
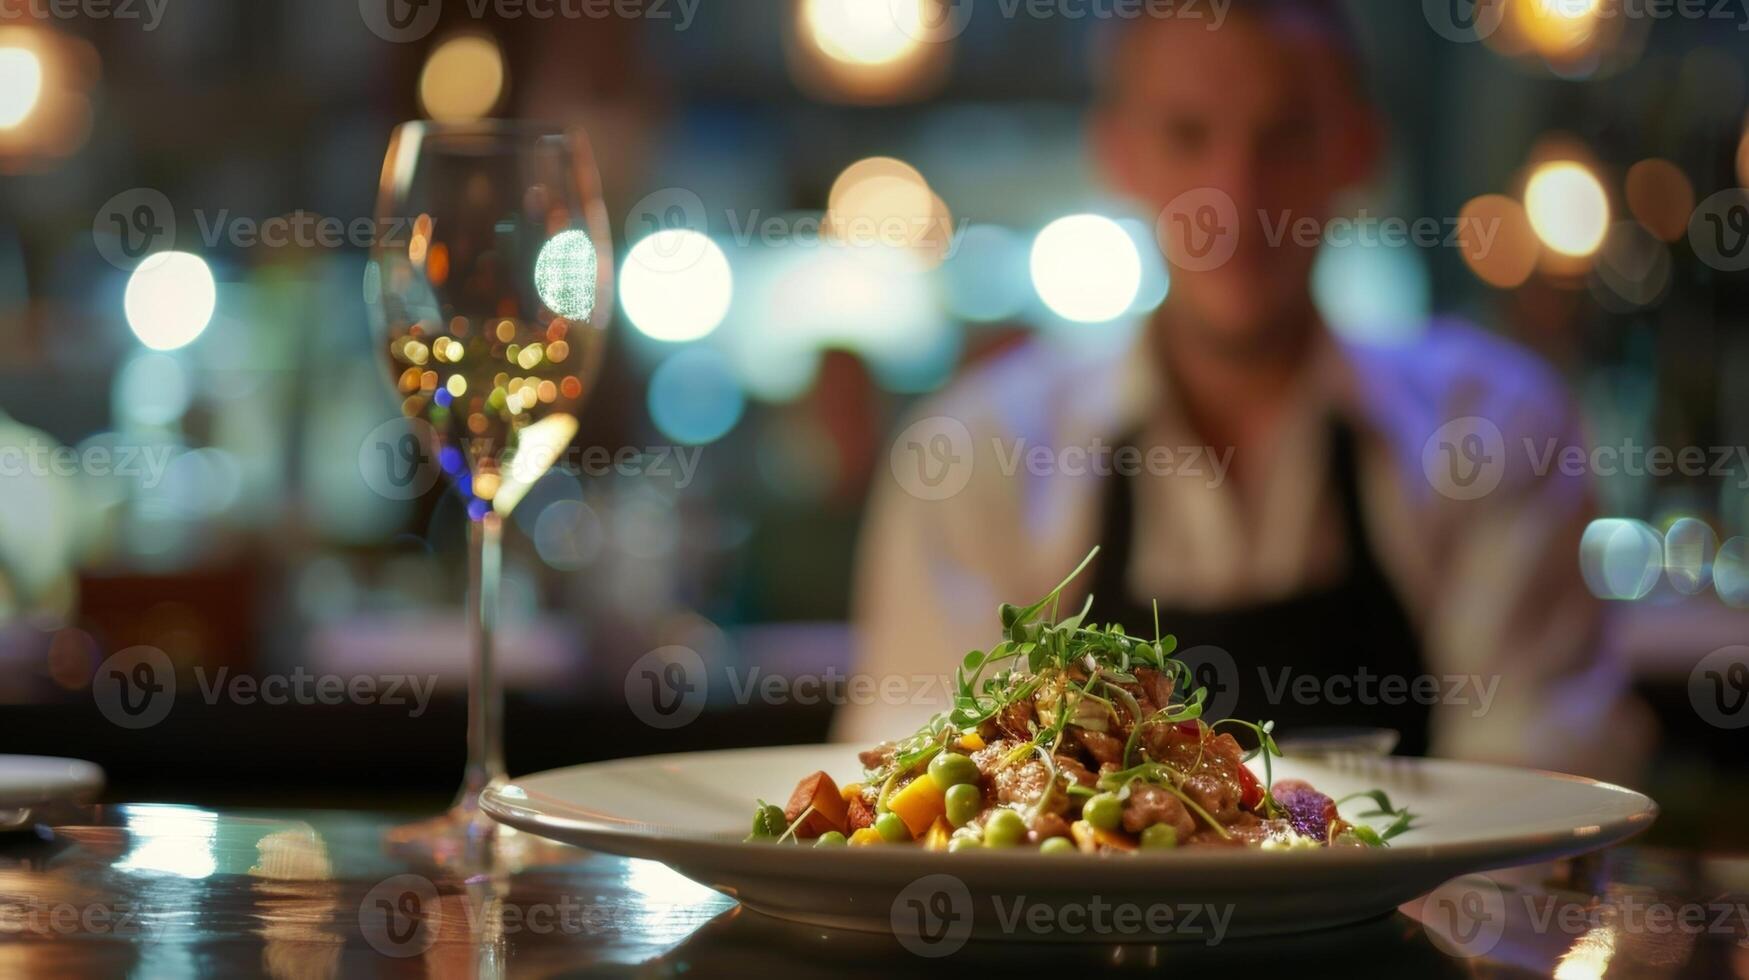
(1340, 655)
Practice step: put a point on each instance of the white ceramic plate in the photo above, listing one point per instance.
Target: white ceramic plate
(29, 780)
(690, 812)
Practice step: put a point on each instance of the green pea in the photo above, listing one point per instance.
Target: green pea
(951, 769)
(961, 844)
(964, 802)
(1103, 810)
(1005, 828)
(769, 821)
(1159, 837)
(891, 828)
(1057, 845)
(831, 838)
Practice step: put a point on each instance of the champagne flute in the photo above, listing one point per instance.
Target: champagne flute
(490, 316)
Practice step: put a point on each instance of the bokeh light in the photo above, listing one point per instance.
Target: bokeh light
(151, 389)
(1635, 267)
(1497, 241)
(1086, 268)
(1661, 198)
(1568, 207)
(1731, 572)
(881, 201)
(985, 279)
(1557, 29)
(21, 84)
(857, 32)
(1621, 558)
(1373, 293)
(1688, 555)
(170, 299)
(565, 272)
(694, 397)
(463, 79)
(568, 535)
(676, 304)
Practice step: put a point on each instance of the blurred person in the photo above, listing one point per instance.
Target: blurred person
(1309, 542)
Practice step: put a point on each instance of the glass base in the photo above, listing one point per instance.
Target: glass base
(463, 838)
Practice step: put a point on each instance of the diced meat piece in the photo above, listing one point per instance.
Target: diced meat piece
(858, 814)
(1225, 748)
(1103, 747)
(1073, 770)
(818, 796)
(1149, 805)
(1309, 812)
(1219, 797)
(1156, 685)
(1022, 781)
(877, 757)
(1046, 825)
(1014, 721)
(1178, 745)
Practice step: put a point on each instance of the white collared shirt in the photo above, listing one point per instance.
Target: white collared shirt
(1491, 583)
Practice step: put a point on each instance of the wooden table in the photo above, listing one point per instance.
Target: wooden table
(168, 891)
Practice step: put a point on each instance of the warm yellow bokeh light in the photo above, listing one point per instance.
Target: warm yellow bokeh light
(883, 201)
(1556, 28)
(861, 32)
(463, 79)
(1567, 207)
(1661, 198)
(21, 84)
(1497, 242)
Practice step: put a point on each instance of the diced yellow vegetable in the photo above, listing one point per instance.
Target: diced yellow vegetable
(850, 790)
(919, 804)
(1090, 838)
(971, 741)
(940, 832)
(864, 837)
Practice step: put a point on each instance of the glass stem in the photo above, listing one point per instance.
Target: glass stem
(485, 695)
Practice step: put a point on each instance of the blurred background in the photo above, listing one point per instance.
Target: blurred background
(192, 473)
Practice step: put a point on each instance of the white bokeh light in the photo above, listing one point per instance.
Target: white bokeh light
(170, 300)
(21, 84)
(1086, 268)
(672, 303)
(1568, 208)
(859, 32)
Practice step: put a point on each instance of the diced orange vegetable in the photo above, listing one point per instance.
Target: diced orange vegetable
(865, 837)
(830, 811)
(939, 833)
(850, 790)
(919, 804)
(971, 741)
(1090, 838)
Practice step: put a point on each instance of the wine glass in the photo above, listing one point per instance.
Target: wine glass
(490, 315)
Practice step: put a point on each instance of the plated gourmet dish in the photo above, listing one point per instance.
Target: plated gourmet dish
(1073, 737)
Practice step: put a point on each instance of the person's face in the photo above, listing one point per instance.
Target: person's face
(1251, 114)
